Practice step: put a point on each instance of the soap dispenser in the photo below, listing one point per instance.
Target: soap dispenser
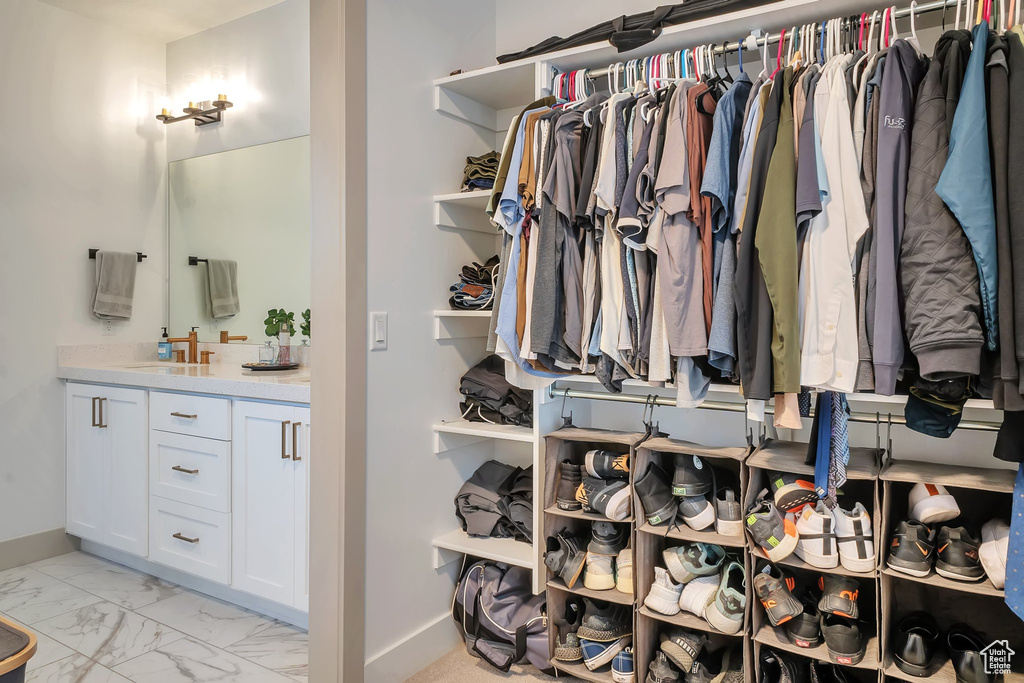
(164, 348)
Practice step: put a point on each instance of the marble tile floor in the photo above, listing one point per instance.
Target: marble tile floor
(99, 622)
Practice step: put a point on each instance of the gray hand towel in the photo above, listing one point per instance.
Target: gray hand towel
(222, 281)
(115, 285)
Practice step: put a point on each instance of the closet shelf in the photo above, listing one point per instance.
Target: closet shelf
(613, 595)
(911, 471)
(461, 433)
(766, 635)
(943, 674)
(580, 514)
(983, 587)
(478, 96)
(449, 548)
(796, 563)
(788, 456)
(687, 621)
(460, 324)
(685, 533)
(582, 672)
(477, 198)
(464, 211)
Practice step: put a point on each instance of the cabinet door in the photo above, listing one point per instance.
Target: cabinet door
(126, 421)
(86, 445)
(263, 501)
(302, 450)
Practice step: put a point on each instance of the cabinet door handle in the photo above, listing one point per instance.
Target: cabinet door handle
(184, 415)
(95, 399)
(185, 538)
(295, 441)
(284, 440)
(179, 468)
(102, 424)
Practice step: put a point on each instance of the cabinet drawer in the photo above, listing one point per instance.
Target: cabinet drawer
(187, 414)
(190, 538)
(190, 469)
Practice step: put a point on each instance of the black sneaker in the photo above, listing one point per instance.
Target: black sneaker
(912, 550)
(774, 590)
(609, 498)
(839, 595)
(662, 671)
(914, 643)
(567, 646)
(693, 477)
(804, 630)
(605, 622)
(781, 667)
(607, 538)
(607, 464)
(958, 557)
(965, 646)
(827, 673)
(682, 646)
(655, 496)
(569, 479)
(843, 638)
(565, 556)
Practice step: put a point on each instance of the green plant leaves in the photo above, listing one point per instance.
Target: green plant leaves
(276, 320)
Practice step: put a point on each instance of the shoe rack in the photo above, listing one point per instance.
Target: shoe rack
(981, 494)
(728, 463)
(571, 443)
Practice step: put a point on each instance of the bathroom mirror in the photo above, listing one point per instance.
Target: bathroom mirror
(250, 206)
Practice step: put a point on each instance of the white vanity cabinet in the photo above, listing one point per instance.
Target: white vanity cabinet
(107, 487)
(270, 483)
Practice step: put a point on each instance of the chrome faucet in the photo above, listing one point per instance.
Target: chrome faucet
(193, 344)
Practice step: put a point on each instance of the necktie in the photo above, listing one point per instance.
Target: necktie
(823, 420)
(839, 448)
(1015, 553)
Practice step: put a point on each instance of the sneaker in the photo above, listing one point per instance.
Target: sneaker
(698, 593)
(662, 671)
(569, 479)
(781, 667)
(930, 504)
(693, 477)
(598, 653)
(725, 612)
(958, 557)
(624, 571)
(843, 639)
(565, 557)
(839, 595)
(682, 647)
(568, 648)
(827, 673)
(622, 666)
(697, 512)
(656, 496)
(912, 550)
(731, 670)
(774, 590)
(607, 538)
(664, 595)
(728, 513)
(804, 630)
(817, 543)
(609, 498)
(854, 538)
(691, 560)
(790, 491)
(965, 645)
(567, 643)
(776, 536)
(600, 575)
(605, 622)
(915, 643)
(607, 464)
(995, 540)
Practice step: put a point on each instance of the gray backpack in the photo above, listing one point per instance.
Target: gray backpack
(502, 621)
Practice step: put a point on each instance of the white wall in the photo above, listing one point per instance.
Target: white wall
(413, 153)
(81, 165)
(261, 61)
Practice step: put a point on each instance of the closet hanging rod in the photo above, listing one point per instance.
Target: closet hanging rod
(872, 418)
(774, 37)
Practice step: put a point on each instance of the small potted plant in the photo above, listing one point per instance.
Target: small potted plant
(281, 324)
(304, 328)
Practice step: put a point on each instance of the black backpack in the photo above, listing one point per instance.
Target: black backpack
(490, 398)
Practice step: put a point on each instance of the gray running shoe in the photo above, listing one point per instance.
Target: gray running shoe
(728, 513)
(662, 671)
(691, 560)
(776, 536)
(682, 646)
(565, 556)
(604, 622)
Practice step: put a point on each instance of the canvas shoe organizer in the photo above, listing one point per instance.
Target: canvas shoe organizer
(884, 597)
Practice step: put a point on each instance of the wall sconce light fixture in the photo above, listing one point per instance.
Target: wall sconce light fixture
(201, 116)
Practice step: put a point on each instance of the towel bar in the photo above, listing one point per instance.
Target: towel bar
(92, 254)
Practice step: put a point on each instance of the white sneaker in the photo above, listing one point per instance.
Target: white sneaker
(664, 595)
(600, 572)
(697, 512)
(817, 543)
(624, 571)
(930, 504)
(995, 543)
(698, 593)
(854, 538)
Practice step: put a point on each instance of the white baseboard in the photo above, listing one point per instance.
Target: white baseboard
(15, 552)
(403, 659)
(221, 592)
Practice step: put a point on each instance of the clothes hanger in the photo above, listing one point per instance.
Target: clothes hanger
(739, 54)
(894, 35)
(778, 54)
(789, 50)
(860, 38)
(764, 57)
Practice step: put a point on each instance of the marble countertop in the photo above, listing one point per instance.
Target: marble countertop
(227, 379)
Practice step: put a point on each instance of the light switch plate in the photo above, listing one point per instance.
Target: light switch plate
(378, 331)
(108, 329)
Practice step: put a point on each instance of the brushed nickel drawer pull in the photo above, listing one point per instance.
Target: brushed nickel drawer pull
(179, 468)
(295, 441)
(185, 538)
(284, 440)
(184, 415)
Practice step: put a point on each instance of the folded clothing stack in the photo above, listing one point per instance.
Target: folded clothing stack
(480, 172)
(475, 289)
(497, 502)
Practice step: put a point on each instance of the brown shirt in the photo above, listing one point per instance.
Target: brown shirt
(699, 125)
(528, 167)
